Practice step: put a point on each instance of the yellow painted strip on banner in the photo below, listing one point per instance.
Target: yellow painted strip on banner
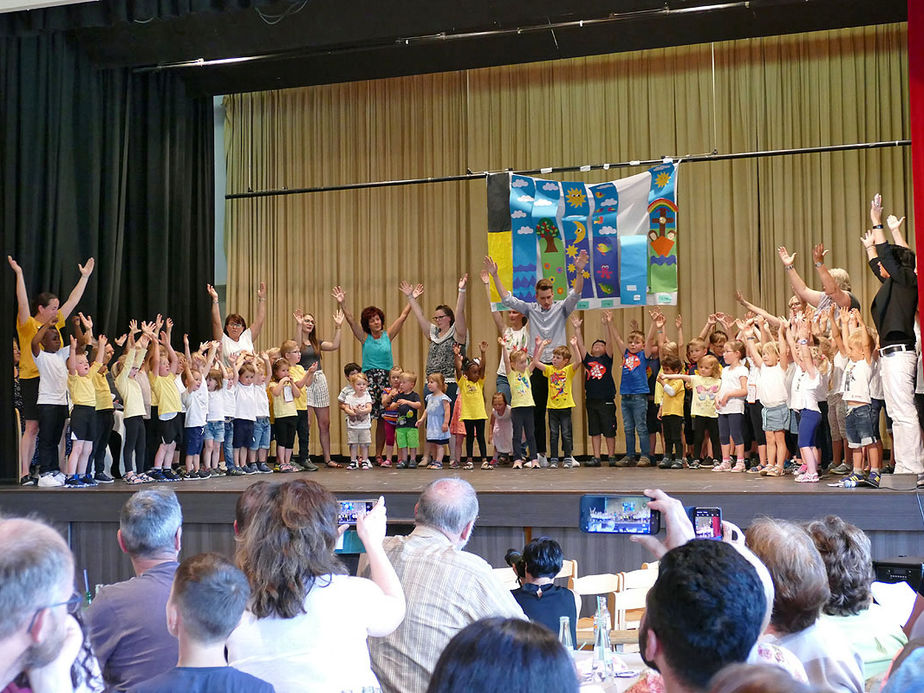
(500, 246)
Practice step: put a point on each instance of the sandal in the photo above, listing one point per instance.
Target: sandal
(132, 479)
(435, 465)
(518, 464)
(468, 465)
(334, 465)
(774, 471)
(487, 465)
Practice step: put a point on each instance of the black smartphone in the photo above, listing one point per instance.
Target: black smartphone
(619, 515)
(707, 522)
(350, 509)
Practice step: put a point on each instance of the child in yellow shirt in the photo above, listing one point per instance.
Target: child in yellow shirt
(561, 401)
(80, 376)
(670, 412)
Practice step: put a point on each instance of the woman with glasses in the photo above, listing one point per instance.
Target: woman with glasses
(236, 336)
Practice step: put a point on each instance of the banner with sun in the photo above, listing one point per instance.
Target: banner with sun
(536, 228)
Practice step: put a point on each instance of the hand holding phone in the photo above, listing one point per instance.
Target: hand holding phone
(619, 515)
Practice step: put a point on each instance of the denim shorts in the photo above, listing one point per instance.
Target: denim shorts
(215, 430)
(775, 418)
(193, 439)
(261, 434)
(861, 429)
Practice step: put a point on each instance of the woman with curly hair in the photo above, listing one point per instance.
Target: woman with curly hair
(845, 550)
(378, 358)
(306, 625)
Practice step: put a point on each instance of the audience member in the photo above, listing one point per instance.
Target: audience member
(801, 586)
(446, 588)
(208, 597)
(703, 612)
(306, 625)
(248, 503)
(756, 678)
(510, 655)
(539, 597)
(41, 644)
(907, 672)
(845, 550)
(127, 621)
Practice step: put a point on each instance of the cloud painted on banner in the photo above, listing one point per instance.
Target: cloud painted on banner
(524, 198)
(609, 203)
(605, 231)
(525, 230)
(518, 214)
(519, 183)
(544, 203)
(550, 186)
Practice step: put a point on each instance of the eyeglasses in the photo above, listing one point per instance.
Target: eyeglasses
(73, 605)
(440, 317)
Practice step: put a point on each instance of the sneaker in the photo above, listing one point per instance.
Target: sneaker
(386, 463)
(88, 480)
(205, 474)
(73, 482)
(28, 481)
(367, 464)
(287, 468)
(49, 480)
(855, 477)
(454, 464)
(354, 464)
(841, 469)
(170, 475)
(401, 465)
(676, 464)
(235, 471)
(807, 478)
(592, 462)
(623, 462)
(665, 463)
(543, 460)
(570, 463)
(706, 463)
(250, 468)
(468, 466)
(157, 474)
(487, 465)
(412, 464)
(102, 478)
(263, 469)
(872, 479)
(644, 461)
(215, 472)
(738, 467)
(694, 464)
(518, 464)
(553, 463)
(310, 466)
(725, 466)
(756, 469)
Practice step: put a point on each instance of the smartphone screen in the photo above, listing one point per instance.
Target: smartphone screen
(707, 522)
(350, 509)
(619, 515)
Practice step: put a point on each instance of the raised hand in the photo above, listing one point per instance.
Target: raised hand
(786, 258)
(212, 292)
(678, 322)
(121, 339)
(15, 265)
(485, 276)
(819, 252)
(261, 291)
(633, 325)
(463, 280)
(133, 326)
(894, 222)
(483, 346)
(607, 317)
(457, 349)
(87, 269)
(659, 320)
(338, 294)
(101, 341)
(576, 321)
(299, 315)
(875, 209)
(868, 240)
(573, 342)
(418, 290)
(86, 321)
(489, 265)
(313, 367)
(169, 325)
(338, 318)
(405, 288)
(582, 259)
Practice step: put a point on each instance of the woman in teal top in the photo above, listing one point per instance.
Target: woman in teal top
(377, 354)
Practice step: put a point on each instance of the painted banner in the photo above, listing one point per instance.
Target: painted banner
(537, 227)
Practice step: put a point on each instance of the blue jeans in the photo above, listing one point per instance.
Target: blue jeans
(634, 414)
(503, 385)
(229, 442)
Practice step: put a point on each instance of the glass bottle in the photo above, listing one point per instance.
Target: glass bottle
(603, 651)
(564, 633)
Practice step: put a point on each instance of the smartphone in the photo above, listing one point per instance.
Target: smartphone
(707, 522)
(619, 515)
(350, 509)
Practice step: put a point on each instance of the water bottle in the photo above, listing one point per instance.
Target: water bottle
(564, 634)
(603, 651)
(849, 483)
(602, 613)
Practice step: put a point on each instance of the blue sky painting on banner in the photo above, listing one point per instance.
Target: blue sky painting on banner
(627, 226)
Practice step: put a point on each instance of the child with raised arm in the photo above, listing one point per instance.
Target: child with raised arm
(771, 360)
(862, 432)
(470, 376)
(519, 369)
(104, 416)
(196, 399)
(128, 379)
(435, 419)
(358, 407)
(670, 411)
(83, 397)
(804, 398)
(165, 366)
(730, 408)
(290, 352)
(407, 438)
(285, 392)
(246, 405)
(390, 412)
(599, 388)
(560, 403)
(705, 387)
(634, 391)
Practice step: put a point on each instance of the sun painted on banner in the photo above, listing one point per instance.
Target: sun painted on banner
(628, 227)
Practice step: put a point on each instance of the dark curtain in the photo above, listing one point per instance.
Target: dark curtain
(107, 164)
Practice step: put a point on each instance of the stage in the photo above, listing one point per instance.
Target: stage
(514, 505)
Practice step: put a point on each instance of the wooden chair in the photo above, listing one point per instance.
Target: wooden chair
(591, 585)
(569, 569)
(629, 601)
(506, 577)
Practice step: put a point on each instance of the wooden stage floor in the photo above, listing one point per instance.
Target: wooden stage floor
(513, 498)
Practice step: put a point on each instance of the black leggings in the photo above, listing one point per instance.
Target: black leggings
(473, 428)
(103, 437)
(540, 386)
(135, 440)
(701, 426)
(523, 422)
(301, 430)
(755, 411)
(51, 418)
(672, 427)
